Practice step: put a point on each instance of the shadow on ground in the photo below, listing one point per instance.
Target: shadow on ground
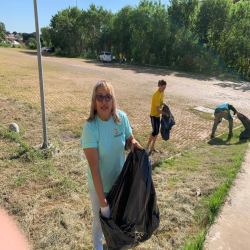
(219, 141)
(243, 86)
(34, 53)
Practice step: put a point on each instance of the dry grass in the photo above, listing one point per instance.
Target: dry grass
(49, 198)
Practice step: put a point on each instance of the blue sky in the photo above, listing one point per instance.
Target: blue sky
(18, 15)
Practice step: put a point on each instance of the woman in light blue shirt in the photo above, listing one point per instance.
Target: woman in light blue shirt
(104, 136)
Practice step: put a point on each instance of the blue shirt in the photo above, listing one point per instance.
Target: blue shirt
(221, 108)
(110, 139)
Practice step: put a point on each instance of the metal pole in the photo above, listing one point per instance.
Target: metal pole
(39, 57)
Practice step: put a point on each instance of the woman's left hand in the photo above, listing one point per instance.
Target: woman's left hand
(135, 144)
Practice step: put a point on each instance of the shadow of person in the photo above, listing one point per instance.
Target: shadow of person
(217, 141)
(229, 137)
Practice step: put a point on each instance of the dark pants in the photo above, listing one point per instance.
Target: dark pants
(217, 118)
(155, 121)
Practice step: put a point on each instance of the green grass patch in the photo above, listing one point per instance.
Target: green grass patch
(224, 160)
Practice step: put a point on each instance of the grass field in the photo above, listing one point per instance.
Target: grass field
(46, 191)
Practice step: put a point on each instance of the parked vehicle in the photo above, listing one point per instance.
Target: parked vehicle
(105, 56)
(48, 49)
(44, 49)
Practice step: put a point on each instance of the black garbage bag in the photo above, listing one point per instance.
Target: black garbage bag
(246, 122)
(166, 123)
(132, 201)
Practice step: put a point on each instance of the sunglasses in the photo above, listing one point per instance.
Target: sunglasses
(100, 97)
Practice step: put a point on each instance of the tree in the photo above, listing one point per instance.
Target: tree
(235, 46)
(143, 25)
(2, 31)
(26, 36)
(31, 43)
(122, 32)
(45, 36)
(212, 20)
(66, 30)
(182, 13)
(96, 25)
(182, 19)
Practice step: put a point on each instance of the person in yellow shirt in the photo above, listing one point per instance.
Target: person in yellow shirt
(120, 58)
(156, 111)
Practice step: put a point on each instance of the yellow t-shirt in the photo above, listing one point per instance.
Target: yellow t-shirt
(157, 100)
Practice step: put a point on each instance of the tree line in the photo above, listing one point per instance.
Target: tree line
(208, 35)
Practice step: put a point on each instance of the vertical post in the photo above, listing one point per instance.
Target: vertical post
(39, 57)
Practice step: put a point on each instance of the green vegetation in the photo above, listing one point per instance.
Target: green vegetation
(209, 36)
(220, 164)
(202, 37)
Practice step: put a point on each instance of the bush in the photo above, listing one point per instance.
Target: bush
(90, 55)
(17, 46)
(7, 45)
(31, 43)
(187, 63)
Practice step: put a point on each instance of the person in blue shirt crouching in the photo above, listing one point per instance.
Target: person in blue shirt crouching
(223, 111)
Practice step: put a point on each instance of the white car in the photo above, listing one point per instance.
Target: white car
(105, 56)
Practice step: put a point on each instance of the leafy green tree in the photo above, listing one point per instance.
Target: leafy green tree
(66, 30)
(45, 36)
(31, 43)
(122, 32)
(96, 28)
(26, 36)
(2, 31)
(149, 32)
(182, 13)
(235, 45)
(212, 20)
(182, 44)
(159, 36)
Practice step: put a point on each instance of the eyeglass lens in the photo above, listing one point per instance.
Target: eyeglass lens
(101, 97)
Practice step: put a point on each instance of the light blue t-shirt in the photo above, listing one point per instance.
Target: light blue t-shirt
(110, 139)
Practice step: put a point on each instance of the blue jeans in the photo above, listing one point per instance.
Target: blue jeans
(97, 233)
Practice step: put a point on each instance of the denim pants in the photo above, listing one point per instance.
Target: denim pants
(97, 233)
(217, 118)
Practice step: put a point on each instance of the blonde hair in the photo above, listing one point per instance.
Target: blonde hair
(108, 88)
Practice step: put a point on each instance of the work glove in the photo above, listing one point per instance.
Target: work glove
(105, 212)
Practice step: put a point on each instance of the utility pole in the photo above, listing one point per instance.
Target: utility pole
(39, 57)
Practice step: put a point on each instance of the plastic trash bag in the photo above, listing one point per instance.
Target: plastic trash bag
(246, 123)
(132, 201)
(166, 123)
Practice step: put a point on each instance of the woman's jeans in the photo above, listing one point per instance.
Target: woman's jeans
(217, 118)
(96, 227)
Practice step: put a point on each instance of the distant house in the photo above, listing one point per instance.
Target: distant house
(10, 36)
(14, 37)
